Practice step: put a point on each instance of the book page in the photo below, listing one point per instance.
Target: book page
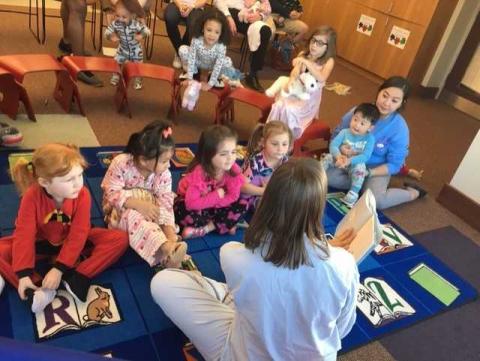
(363, 218)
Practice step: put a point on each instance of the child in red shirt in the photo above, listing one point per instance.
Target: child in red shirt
(54, 218)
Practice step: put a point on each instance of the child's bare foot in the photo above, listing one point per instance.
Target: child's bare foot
(415, 174)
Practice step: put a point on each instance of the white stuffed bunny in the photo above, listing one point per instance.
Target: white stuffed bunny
(302, 87)
(191, 94)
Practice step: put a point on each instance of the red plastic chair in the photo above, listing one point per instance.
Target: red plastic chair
(11, 94)
(316, 130)
(77, 64)
(247, 96)
(153, 71)
(19, 65)
(221, 94)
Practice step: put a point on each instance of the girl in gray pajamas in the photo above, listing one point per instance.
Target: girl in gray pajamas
(128, 32)
(208, 49)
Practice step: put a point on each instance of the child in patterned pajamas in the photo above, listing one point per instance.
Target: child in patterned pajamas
(208, 49)
(138, 198)
(352, 148)
(128, 31)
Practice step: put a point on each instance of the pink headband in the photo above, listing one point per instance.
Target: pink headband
(167, 132)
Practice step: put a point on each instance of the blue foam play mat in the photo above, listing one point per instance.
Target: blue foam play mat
(401, 284)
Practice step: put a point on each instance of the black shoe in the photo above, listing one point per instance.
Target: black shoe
(77, 285)
(421, 192)
(197, 76)
(64, 47)
(89, 78)
(252, 82)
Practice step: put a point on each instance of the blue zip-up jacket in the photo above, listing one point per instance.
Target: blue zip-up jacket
(361, 144)
(391, 141)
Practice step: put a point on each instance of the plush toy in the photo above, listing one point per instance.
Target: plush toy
(251, 7)
(302, 87)
(191, 94)
(232, 77)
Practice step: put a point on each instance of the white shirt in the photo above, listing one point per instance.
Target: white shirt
(223, 5)
(285, 314)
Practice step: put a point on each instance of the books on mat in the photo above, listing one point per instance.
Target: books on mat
(431, 281)
(363, 218)
(13, 158)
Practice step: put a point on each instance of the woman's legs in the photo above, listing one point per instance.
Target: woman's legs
(202, 308)
(388, 197)
(172, 20)
(338, 178)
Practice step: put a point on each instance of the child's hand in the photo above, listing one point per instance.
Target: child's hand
(114, 37)
(205, 86)
(150, 211)
(343, 239)
(232, 25)
(251, 18)
(138, 37)
(52, 279)
(25, 283)
(346, 150)
(221, 192)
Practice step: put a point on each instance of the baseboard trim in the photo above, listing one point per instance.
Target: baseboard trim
(460, 205)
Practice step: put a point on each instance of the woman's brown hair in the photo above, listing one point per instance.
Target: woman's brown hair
(291, 209)
(48, 161)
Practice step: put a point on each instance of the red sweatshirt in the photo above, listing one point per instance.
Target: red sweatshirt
(39, 219)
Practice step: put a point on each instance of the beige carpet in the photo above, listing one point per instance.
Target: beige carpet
(64, 128)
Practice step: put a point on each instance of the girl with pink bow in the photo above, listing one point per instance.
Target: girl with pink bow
(138, 197)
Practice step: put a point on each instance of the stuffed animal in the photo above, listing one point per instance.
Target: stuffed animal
(232, 77)
(251, 7)
(191, 94)
(302, 87)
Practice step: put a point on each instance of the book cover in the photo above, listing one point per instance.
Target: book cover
(106, 157)
(392, 240)
(65, 313)
(435, 284)
(182, 157)
(380, 303)
(334, 199)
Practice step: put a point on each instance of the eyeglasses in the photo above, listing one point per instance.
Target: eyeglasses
(317, 42)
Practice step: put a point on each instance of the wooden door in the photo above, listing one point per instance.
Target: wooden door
(390, 60)
(418, 12)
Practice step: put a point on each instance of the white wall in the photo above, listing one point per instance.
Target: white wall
(451, 43)
(467, 176)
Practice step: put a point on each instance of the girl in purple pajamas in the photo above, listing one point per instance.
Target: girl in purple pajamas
(209, 194)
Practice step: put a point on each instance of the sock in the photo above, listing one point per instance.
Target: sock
(77, 285)
(42, 297)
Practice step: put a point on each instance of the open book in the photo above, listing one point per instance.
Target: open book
(380, 303)
(67, 313)
(363, 218)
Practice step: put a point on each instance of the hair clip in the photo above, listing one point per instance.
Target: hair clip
(167, 132)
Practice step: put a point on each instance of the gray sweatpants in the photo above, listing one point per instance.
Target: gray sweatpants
(384, 196)
(201, 307)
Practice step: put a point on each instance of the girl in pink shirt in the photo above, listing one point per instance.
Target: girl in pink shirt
(208, 195)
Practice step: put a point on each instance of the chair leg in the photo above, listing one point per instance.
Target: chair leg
(121, 98)
(26, 102)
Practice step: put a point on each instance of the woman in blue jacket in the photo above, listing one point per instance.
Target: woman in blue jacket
(390, 150)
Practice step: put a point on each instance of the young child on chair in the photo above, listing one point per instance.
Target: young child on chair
(318, 60)
(54, 221)
(251, 7)
(207, 51)
(209, 193)
(352, 148)
(128, 32)
(138, 198)
(267, 149)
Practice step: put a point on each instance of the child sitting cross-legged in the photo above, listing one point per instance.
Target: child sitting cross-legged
(352, 148)
(53, 221)
(209, 194)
